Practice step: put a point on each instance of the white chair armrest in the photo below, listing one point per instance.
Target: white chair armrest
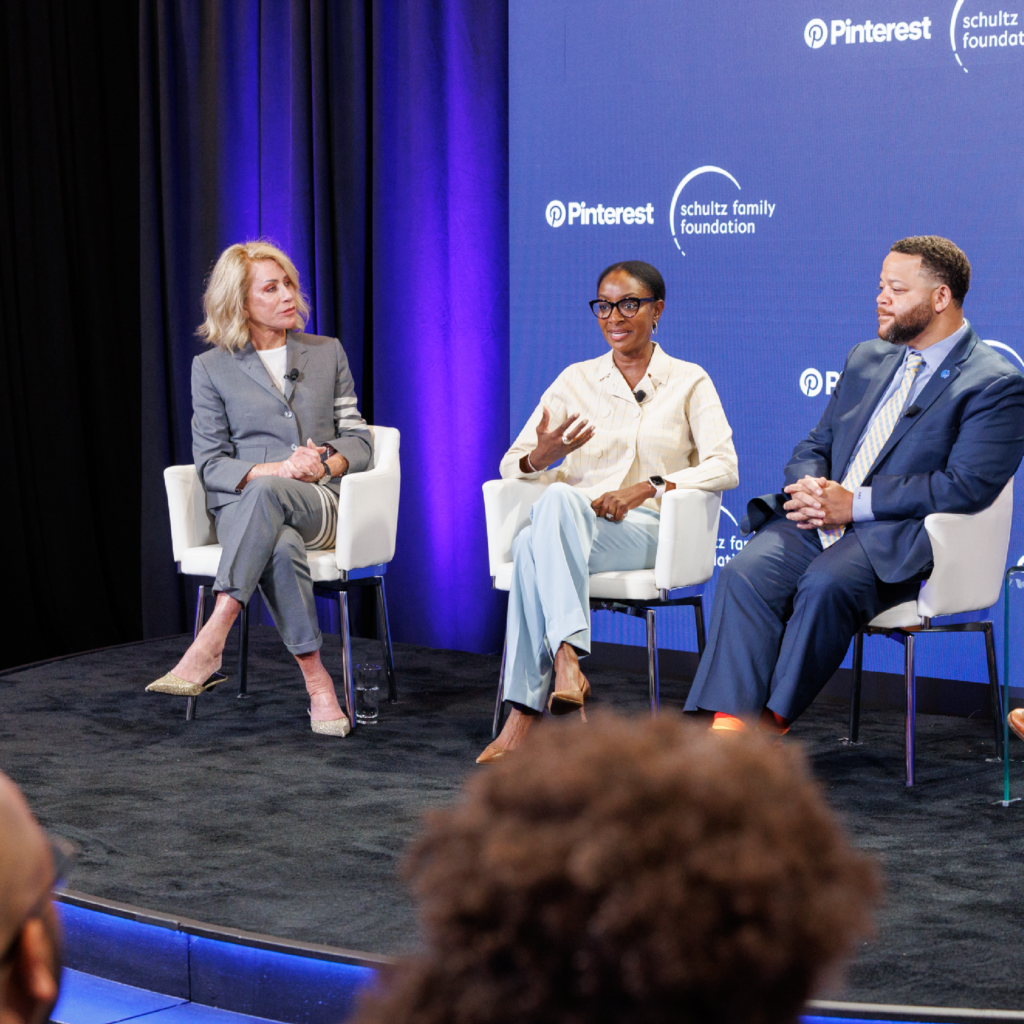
(970, 558)
(192, 525)
(368, 507)
(507, 510)
(687, 538)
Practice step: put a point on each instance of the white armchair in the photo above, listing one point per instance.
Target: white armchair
(365, 543)
(970, 557)
(685, 559)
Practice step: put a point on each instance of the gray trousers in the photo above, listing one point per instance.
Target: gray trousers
(264, 536)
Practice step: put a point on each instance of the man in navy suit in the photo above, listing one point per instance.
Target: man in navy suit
(928, 418)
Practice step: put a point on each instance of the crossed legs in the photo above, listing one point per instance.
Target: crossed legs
(263, 537)
(548, 625)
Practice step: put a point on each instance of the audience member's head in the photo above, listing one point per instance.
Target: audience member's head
(29, 934)
(631, 871)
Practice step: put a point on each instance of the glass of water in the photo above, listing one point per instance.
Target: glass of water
(368, 683)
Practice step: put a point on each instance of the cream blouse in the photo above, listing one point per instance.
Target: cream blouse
(679, 431)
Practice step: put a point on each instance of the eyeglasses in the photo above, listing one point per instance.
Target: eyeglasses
(64, 855)
(627, 307)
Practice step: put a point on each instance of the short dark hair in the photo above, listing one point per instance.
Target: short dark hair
(639, 871)
(942, 259)
(643, 272)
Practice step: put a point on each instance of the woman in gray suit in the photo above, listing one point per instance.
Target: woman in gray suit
(274, 428)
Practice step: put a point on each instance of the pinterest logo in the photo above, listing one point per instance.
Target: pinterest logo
(811, 382)
(815, 33)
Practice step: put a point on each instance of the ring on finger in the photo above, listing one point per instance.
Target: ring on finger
(608, 515)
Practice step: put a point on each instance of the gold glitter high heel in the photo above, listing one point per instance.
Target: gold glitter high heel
(333, 727)
(178, 687)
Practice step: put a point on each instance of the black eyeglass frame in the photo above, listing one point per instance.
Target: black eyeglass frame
(64, 855)
(594, 303)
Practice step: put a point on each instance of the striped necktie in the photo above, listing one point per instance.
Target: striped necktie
(875, 440)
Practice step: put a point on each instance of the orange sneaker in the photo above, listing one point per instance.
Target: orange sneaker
(773, 723)
(727, 723)
(1016, 720)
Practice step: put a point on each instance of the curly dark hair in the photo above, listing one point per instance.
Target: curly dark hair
(633, 871)
(645, 273)
(942, 259)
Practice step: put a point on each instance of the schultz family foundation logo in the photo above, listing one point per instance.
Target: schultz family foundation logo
(973, 29)
(696, 209)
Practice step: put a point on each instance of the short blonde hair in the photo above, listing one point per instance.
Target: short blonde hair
(228, 287)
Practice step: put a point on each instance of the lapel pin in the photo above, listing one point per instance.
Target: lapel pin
(944, 374)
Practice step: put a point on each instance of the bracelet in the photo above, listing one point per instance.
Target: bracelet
(533, 468)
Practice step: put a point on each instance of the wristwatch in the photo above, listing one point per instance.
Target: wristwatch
(324, 456)
(659, 483)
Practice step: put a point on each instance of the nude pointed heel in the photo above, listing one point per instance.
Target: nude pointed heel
(565, 702)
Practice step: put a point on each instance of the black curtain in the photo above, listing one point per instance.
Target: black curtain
(69, 330)
(367, 137)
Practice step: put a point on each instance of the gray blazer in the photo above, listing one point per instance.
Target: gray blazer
(240, 418)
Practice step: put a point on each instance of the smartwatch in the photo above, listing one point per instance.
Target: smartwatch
(659, 483)
(324, 456)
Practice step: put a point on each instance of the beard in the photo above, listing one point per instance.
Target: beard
(907, 327)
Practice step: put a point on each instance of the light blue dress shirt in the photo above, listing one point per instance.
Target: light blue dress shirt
(934, 356)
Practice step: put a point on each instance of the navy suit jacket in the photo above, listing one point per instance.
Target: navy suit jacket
(955, 455)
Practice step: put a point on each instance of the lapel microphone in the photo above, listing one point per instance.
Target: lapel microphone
(912, 411)
(639, 396)
(293, 376)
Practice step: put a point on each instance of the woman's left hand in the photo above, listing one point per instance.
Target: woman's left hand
(615, 504)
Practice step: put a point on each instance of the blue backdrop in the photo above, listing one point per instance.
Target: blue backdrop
(763, 157)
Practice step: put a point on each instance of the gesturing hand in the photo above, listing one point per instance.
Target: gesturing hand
(554, 443)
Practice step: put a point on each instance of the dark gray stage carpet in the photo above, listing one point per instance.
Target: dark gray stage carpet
(244, 818)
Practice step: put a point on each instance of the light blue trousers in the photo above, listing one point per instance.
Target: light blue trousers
(549, 601)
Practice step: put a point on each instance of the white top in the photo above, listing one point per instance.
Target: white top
(679, 431)
(276, 362)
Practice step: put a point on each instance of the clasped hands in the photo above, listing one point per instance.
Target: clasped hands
(554, 443)
(816, 503)
(303, 464)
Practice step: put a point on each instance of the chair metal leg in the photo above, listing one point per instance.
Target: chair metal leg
(243, 652)
(501, 690)
(858, 665)
(652, 662)
(911, 680)
(384, 632)
(698, 616)
(993, 687)
(346, 658)
(200, 618)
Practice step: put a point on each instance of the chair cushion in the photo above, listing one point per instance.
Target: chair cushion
(902, 615)
(624, 585)
(201, 561)
(503, 581)
(323, 565)
(205, 560)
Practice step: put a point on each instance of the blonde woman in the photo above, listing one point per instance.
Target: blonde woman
(274, 428)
